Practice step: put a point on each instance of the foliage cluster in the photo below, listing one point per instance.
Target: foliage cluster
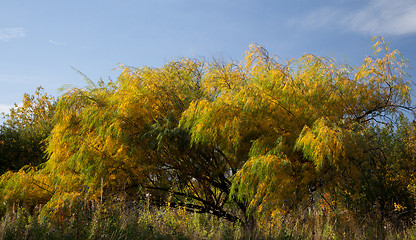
(23, 133)
(251, 142)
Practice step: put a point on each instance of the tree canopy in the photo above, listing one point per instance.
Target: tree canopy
(241, 139)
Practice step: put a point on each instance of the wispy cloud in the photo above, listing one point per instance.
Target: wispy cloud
(384, 17)
(319, 18)
(376, 17)
(7, 34)
(57, 43)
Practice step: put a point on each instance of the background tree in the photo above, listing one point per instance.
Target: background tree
(24, 131)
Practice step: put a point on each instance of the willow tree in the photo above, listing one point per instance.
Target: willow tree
(122, 137)
(304, 129)
(233, 139)
(152, 102)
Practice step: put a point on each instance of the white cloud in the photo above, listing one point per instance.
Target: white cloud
(376, 17)
(384, 17)
(7, 34)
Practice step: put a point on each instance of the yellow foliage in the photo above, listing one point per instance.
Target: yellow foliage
(263, 135)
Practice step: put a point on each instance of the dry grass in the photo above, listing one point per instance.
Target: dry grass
(140, 221)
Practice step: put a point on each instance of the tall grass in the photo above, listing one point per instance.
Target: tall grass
(116, 222)
(142, 221)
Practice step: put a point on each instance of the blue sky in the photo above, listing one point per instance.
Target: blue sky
(40, 41)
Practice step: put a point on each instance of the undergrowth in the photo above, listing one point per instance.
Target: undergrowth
(141, 221)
